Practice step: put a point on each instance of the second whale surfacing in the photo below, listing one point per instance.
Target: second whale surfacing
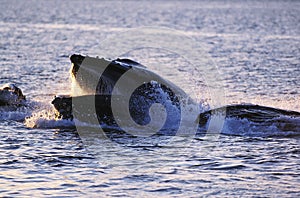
(102, 82)
(11, 95)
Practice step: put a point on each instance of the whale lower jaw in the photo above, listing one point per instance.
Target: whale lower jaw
(139, 107)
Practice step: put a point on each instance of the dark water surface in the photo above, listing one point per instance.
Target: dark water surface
(254, 45)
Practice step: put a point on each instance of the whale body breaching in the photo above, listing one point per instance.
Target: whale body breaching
(135, 87)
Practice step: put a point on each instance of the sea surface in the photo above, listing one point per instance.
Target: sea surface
(248, 52)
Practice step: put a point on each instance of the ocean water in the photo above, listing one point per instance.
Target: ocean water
(250, 49)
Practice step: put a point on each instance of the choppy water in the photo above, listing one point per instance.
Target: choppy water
(255, 47)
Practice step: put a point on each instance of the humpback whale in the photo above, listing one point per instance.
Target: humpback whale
(139, 90)
(152, 89)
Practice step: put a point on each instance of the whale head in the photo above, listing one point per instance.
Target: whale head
(125, 85)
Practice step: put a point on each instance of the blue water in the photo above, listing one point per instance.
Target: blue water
(254, 47)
